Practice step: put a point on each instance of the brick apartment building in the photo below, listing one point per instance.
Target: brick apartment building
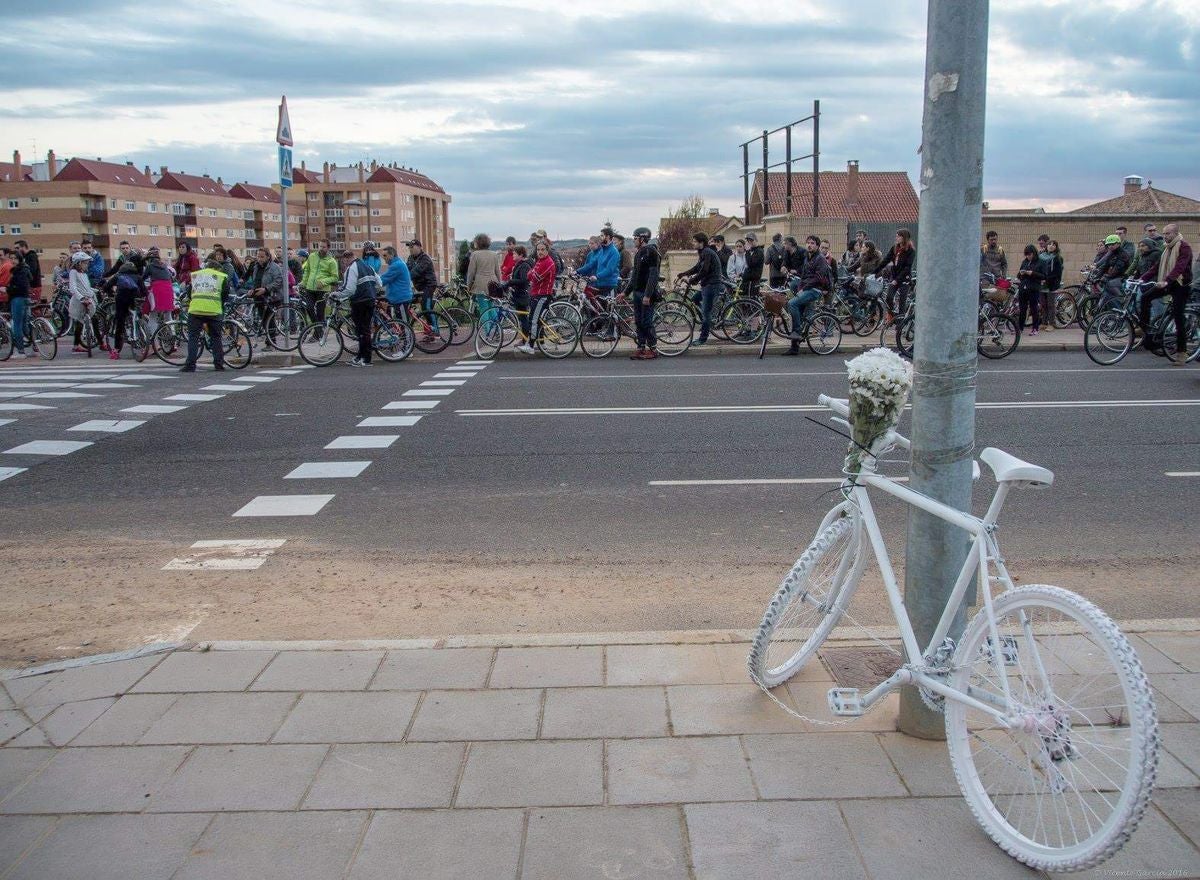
(51, 204)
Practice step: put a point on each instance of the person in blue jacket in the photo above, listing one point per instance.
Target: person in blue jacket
(397, 282)
(602, 266)
(371, 256)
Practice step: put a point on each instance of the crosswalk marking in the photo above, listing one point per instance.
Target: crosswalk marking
(411, 404)
(48, 447)
(428, 392)
(153, 408)
(6, 472)
(328, 470)
(108, 426)
(196, 398)
(389, 422)
(239, 555)
(284, 505)
(364, 441)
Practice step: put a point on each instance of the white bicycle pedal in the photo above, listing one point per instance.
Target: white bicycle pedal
(845, 701)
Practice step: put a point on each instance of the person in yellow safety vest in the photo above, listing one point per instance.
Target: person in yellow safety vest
(321, 275)
(210, 289)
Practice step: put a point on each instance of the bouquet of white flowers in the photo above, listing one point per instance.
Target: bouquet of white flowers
(879, 384)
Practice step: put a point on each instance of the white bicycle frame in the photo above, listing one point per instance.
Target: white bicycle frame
(983, 552)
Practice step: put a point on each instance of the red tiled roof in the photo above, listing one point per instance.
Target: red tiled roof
(303, 175)
(103, 172)
(255, 192)
(883, 196)
(10, 173)
(176, 180)
(1147, 200)
(399, 175)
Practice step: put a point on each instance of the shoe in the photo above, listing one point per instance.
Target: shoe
(355, 362)
(791, 352)
(19, 354)
(219, 368)
(1033, 332)
(650, 355)
(638, 355)
(1179, 360)
(526, 349)
(364, 363)
(79, 349)
(114, 355)
(699, 342)
(187, 369)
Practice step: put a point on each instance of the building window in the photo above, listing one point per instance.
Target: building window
(376, 212)
(112, 204)
(312, 196)
(37, 225)
(154, 230)
(377, 229)
(355, 212)
(212, 212)
(14, 230)
(170, 252)
(408, 198)
(13, 203)
(1, 230)
(315, 230)
(152, 207)
(116, 230)
(33, 200)
(132, 230)
(314, 213)
(228, 214)
(178, 208)
(131, 206)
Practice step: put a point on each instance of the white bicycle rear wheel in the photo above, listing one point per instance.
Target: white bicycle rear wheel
(809, 603)
(1066, 788)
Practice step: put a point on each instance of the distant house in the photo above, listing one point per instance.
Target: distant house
(1141, 200)
(853, 195)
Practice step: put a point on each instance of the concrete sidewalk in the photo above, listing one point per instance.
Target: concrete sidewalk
(610, 756)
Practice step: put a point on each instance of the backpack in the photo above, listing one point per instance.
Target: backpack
(127, 282)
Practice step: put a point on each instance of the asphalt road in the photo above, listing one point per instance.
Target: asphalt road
(539, 496)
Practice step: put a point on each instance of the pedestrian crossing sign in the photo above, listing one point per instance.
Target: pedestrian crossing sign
(285, 166)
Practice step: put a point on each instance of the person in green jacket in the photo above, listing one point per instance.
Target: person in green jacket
(320, 276)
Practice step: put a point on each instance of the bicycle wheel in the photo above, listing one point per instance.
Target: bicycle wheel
(808, 604)
(1086, 306)
(673, 327)
(599, 336)
(139, 341)
(235, 341)
(493, 334)
(998, 336)
(393, 340)
(45, 338)
(349, 334)
(743, 321)
(1191, 335)
(170, 342)
(462, 325)
(557, 336)
(766, 337)
(1108, 337)
(824, 335)
(906, 336)
(867, 319)
(320, 344)
(1064, 309)
(284, 328)
(1064, 788)
(431, 334)
(6, 340)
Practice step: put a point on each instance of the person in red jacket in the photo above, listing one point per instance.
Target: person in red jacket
(510, 260)
(186, 263)
(541, 288)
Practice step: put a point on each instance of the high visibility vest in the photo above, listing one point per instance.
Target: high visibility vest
(207, 285)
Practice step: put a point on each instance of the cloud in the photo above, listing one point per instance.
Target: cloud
(558, 117)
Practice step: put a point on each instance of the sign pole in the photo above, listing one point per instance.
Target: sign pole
(283, 137)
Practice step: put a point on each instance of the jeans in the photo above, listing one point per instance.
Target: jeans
(799, 304)
(1112, 292)
(124, 304)
(520, 304)
(360, 314)
(1030, 300)
(706, 298)
(20, 318)
(1179, 299)
(643, 316)
(539, 303)
(315, 300)
(211, 323)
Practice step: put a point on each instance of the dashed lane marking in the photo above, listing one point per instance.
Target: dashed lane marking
(428, 392)
(48, 447)
(258, 379)
(388, 422)
(64, 395)
(411, 404)
(6, 472)
(799, 481)
(108, 426)
(242, 555)
(196, 398)
(18, 407)
(226, 387)
(7, 421)
(328, 470)
(364, 441)
(1182, 473)
(285, 505)
(440, 383)
(153, 408)
(105, 386)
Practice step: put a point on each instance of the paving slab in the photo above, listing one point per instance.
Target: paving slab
(387, 776)
(1182, 807)
(611, 712)
(669, 771)
(275, 846)
(421, 845)
(241, 778)
(113, 848)
(923, 765)
(64, 723)
(478, 715)
(18, 834)
(1183, 741)
(13, 723)
(99, 780)
(220, 718)
(1183, 689)
(520, 774)
(205, 671)
(1156, 850)
(732, 660)
(938, 837)
(574, 843)
(547, 667)
(319, 671)
(1151, 657)
(127, 720)
(1182, 648)
(429, 669)
(821, 765)
(89, 682)
(18, 765)
(782, 839)
(349, 717)
(705, 709)
(662, 664)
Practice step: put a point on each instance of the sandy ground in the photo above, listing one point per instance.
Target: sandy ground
(316, 592)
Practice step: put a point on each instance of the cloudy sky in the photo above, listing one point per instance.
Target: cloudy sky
(568, 116)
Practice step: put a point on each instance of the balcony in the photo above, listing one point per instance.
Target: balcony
(99, 242)
(93, 215)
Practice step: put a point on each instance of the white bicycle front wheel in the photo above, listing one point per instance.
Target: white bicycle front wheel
(809, 603)
(1066, 787)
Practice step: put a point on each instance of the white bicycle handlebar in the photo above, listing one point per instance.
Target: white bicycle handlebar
(842, 408)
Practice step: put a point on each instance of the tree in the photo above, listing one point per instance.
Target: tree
(464, 254)
(675, 231)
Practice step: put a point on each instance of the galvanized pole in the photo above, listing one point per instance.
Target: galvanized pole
(789, 170)
(766, 177)
(746, 180)
(943, 423)
(816, 158)
(283, 254)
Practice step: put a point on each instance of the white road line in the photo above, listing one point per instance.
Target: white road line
(6, 383)
(473, 362)
(465, 370)
(226, 387)
(108, 426)
(364, 441)
(6, 472)
(153, 408)
(411, 404)
(285, 505)
(9, 394)
(244, 555)
(63, 395)
(799, 481)
(302, 367)
(258, 379)
(7, 421)
(1181, 473)
(428, 392)
(767, 374)
(388, 422)
(104, 386)
(18, 407)
(328, 470)
(195, 398)
(49, 447)
(443, 383)
(281, 372)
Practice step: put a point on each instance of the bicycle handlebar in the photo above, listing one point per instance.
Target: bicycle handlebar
(842, 408)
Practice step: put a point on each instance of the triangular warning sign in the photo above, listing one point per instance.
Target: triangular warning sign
(283, 132)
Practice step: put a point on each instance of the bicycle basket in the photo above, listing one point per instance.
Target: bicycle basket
(774, 303)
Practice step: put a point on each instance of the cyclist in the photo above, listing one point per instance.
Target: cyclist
(707, 273)
(517, 287)
(83, 299)
(901, 258)
(361, 284)
(1173, 279)
(158, 277)
(318, 278)
(755, 260)
(736, 267)
(1110, 267)
(1030, 277)
(992, 259)
(266, 282)
(602, 267)
(128, 286)
(510, 258)
(1145, 268)
(424, 281)
(397, 283)
(774, 256)
(814, 279)
(18, 287)
(793, 262)
(643, 286)
(541, 290)
(210, 289)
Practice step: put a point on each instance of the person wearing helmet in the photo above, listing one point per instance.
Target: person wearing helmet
(1111, 270)
(643, 291)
